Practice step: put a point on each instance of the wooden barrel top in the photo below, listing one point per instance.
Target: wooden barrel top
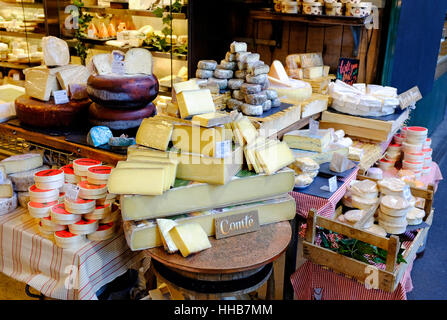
(235, 254)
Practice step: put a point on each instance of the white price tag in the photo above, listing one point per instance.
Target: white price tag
(91, 33)
(407, 192)
(223, 148)
(71, 191)
(313, 126)
(333, 184)
(118, 67)
(60, 96)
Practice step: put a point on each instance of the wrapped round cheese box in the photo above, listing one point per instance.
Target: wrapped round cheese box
(104, 232)
(61, 216)
(98, 175)
(392, 186)
(112, 217)
(69, 174)
(66, 239)
(50, 225)
(43, 195)
(394, 206)
(40, 210)
(91, 191)
(21, 181)
(49, 179)
(83, 226)
(79, 206)
(82, 165)
(364, 189)
(100, 212)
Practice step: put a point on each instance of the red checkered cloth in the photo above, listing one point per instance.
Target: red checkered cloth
(324, 207)
(67, 274)
(312, 282)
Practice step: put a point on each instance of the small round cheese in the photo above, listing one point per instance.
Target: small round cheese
(377, 230)
(207, 64)
(251, 110)
(415, 216)
(303, 180)
(204, 74)
(235, 84)
(394, 206)
(354, 216)
(392, 186)
(223, 74)
(249, 88)
(362, 203)
(83, 226)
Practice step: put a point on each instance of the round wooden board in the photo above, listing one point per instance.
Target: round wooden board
(234, 254)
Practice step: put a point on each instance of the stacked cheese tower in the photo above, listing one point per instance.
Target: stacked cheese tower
(417, 152)
(194, 169)
(122, 87)
(310, 68)
(70, 222)
(37, 108)
(245, 75)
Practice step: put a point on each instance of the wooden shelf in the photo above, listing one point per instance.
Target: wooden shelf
(31, 35)
(313, 19)
(22, 4)
(17, 65)
(141, 13)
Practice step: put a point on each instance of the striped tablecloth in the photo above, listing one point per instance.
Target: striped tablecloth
(325, 207)
(58, 273)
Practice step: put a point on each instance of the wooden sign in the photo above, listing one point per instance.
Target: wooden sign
(410, 97)
(236, 224)
(348, 70)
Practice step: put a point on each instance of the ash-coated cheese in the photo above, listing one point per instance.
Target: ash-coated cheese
(8, 205)
(207, 65)
(241, 56)
(266, 105)
(223, 74)
(252, 57)
(234, 104)
(235, 84)
(271, 94)
(222, 83)
(204, 74)
(259, 79)
(21, 181)
(238, 95)
(258, 68)
(250, 88)
(240, 74)
(228, 65)
(231, 57)
(251, 110)
(255, 98)
(241, 66)
(238, 47)
(276, 102)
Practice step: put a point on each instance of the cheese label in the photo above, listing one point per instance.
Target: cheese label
(100, 170)
(118, 67)
(49, 173)
(71, 191)
(409, 98)
(313, 127)
(237, 224)
(42, 205)
(60, 97)
(223, 149)
(333, 184)
(407, 192)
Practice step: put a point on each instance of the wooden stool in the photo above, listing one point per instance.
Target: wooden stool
(231, 267)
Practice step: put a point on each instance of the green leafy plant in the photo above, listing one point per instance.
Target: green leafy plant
(83, 23)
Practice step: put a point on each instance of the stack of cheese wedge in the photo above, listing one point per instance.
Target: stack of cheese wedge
(70, 222)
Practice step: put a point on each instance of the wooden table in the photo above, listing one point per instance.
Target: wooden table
(231, 267)
(59, 142)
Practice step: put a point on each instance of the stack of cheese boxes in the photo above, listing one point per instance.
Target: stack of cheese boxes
(417, 151)
(56, 74)
(16, 177)
(68, 221)
(244, 75)
(183, 173)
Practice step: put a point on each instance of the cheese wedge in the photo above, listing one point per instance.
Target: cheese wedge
(156, 160)
(274, 157)
(190, 238)
(247, 130)
(22, 162)
(154, 134)
(192, 102)
(164, 226)
(212, 119)
(137, 150)
(143, 181)
(166, 167)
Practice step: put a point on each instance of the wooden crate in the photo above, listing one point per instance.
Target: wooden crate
(389, 278)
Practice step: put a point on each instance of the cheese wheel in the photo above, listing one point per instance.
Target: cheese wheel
(415, 216)
(98, 175)
(392, 228)
(123, 91)
(66, 239)
(104, 232)
(8, 205)
(397, 220)
(40, 210)
(79, 206)
(363, 203)
(82, 165)
(69, 174)
(50, 225)
(377, 230)
(43, 195)
(51, 185)
(49, 175)
(87, 189)
(83, 226)
(394, 206)
(100, 212)
(61, 216)
(21, 181)
(42, 114)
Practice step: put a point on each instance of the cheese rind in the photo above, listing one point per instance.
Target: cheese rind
(164, 226)
(22, 162)
(157, 160)
(211, 119)
(192, 102)
(55, 51)
(187, 196)
(305, 140)
(141, 181)
(144, 234)
(6, 190)
(275, 157)
(190, 238)
(169, 171)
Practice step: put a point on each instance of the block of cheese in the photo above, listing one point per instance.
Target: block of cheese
(312, 59)
(138, 60)
(164, 226)
(169, 171)
(211, 119)
(184, 85)
(6, 190)
(157, 160)
(77, 91)
(190, 238)
(246, 129)
(315, 104)
(22, 162)
(274, 157)
(137, 150)
(211, 142)
(154, 134)
(188, 196)
(277, 71)
(55, 51)
(313, 72)
(77, 74)
(40, 82)
(141, 181)
(144, 234)
(305, 140)
(320, 157)
(102, 63)
(192, 102)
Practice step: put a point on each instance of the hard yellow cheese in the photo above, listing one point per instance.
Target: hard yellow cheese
(156, 160)
(164, 226)
(142, 181)
(190, 238)
(154, 134)
(274, 157)
(192, 102)
(166, 167)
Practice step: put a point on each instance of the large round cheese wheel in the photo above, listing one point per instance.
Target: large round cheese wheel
(122, 91)
(42, 114)
(119, 119)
